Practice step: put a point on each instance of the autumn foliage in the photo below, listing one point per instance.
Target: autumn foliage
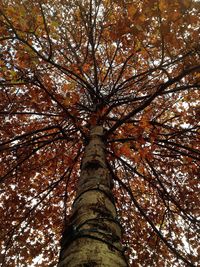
(131, 66)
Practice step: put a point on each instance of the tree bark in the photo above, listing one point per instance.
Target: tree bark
(93, 235)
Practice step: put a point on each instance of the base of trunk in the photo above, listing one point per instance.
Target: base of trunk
(85, 252)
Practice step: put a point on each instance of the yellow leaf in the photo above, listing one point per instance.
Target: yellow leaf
(162, 5)
(187, 3)
(137, 46)
(11, 11)
(132, 10)
(55, 24)
(68, 87)
(142, 17)
(67, 101)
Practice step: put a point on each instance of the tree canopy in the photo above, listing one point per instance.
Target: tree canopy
(131, 66)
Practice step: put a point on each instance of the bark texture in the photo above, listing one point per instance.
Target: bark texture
(94, 234)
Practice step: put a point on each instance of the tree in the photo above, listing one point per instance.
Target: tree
(119, 79)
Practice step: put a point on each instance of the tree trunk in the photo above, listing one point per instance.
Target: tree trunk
(93, 236)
